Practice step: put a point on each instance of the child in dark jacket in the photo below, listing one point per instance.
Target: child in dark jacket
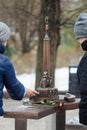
(8, 78)
(80, 30)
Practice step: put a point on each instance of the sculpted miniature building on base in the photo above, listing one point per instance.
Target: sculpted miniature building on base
(46, 88)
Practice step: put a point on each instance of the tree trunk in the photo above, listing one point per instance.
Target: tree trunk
(51, 9)
(23, 34)
(23, 20)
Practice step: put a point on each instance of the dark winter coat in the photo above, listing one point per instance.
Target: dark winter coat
(82, 79)
(8, 79)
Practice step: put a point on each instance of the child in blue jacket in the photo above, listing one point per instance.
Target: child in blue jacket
(8, 78)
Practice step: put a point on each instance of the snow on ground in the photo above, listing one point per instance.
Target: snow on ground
(61, 79)
(28, 80)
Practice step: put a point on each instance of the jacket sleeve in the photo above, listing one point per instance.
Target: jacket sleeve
(15, 89)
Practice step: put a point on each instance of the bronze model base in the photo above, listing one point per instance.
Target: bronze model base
(47, 93)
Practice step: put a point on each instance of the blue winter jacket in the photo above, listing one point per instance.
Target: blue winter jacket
(8, 79)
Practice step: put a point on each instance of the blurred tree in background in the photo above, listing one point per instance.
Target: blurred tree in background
(26, 20)
(51, 9)
(21, 17)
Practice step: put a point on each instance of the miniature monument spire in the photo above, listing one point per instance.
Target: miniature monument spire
(46, 50)
(46, 80)
(46, 88)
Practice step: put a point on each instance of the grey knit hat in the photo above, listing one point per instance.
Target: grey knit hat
(4, 32)
(80, 27)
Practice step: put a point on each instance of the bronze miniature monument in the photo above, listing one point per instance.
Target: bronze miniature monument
(46, 88)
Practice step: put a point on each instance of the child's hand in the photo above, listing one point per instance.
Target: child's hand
(31, 93)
